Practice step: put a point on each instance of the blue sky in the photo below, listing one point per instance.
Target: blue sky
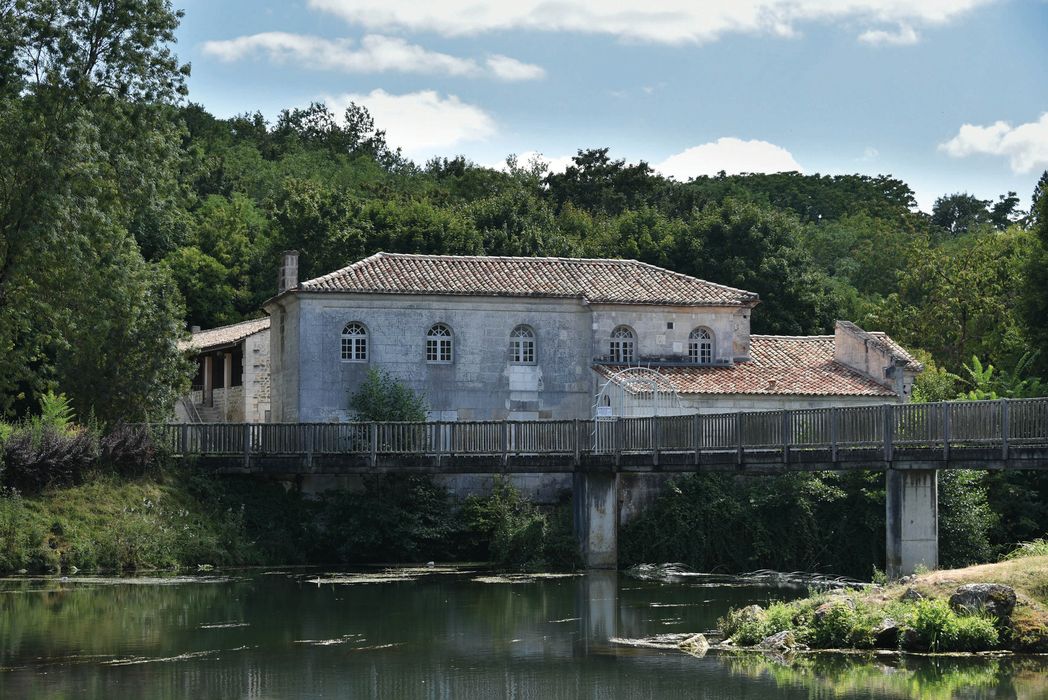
(949, 95)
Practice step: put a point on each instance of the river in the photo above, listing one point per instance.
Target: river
(430, 633)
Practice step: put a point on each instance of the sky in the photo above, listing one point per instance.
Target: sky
(948, 95)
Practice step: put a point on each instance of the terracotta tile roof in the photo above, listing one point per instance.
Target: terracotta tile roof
(596, 281)
(224, 335)
(779, 366)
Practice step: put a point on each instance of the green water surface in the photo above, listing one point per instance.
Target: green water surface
(440, 634)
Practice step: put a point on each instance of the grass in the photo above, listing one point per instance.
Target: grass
(117, 524)
(852, 619)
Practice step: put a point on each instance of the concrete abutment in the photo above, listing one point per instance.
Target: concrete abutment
(596, 504)
(912, 520)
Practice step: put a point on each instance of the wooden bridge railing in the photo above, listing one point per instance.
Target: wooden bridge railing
(1003, 423)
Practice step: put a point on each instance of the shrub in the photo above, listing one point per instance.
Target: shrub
(780, 617)
(56, 411)
(516, 532)
(834, 628)
(934, 626)
(974, 633)
(127, 449)
(745, 626)
(930, 622)
(383, 397)
(36, 457)
(395, 518)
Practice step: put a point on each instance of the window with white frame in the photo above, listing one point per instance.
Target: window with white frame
(355, 343)
(700, 346)
(439, 344)
(622, 345)
(522, 346)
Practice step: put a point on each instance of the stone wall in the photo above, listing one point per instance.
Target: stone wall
(229, 402)
(312, 383)
(479, 384)
(870, 356)
(656, 338)
(257, 380)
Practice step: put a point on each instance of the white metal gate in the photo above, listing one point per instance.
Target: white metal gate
(636, 392)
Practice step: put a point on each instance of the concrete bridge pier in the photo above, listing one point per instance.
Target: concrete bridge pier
(596, 504)
(912, 514)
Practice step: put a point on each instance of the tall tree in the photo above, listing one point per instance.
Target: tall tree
(757, 248)
(962, 299)
(960, 213)
(1035, 294)
(85, 138)
(596, 182)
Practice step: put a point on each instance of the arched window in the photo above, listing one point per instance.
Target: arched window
(355, 342)
(522, 346)
(700, 346)
(439, 344)
(622, 344)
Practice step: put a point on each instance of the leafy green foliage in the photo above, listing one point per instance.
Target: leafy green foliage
(56, 411)
(1033, 548)
(395, 518)
(383, 397)
(516, 532)
(936, 627)
(798, 522)
(961, 299)
(983, 384)
(88, 157)
(842, 622)
(966, 519)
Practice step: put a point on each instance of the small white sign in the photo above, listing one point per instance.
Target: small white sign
(603, 411)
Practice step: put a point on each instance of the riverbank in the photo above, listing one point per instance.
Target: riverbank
(180, 519)
(989, 607)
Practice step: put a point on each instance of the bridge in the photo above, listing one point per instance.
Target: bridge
(909, 442)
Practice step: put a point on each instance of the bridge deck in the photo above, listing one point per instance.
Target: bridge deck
(1006, 434)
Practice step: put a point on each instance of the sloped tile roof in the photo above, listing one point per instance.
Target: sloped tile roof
(779, 366)
(596, 281)
(896, 349)
(224, 335)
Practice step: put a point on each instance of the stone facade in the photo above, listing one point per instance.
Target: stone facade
(481, 382)
(312, 379)
(257, 378)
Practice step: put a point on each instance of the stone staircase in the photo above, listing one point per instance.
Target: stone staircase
(199, 413)
(210, 414)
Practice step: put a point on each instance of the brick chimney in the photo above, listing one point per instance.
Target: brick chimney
(287, 278)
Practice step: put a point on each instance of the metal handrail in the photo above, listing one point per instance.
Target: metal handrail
(885, 428)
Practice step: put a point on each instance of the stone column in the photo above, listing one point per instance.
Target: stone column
(227, 381)
(209, 385)
(596, 503)
(912, 515)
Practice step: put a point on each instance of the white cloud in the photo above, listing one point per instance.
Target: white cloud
(554, 164)
(374, 53)
(510, 69)
(731, 155)
(1026, 145)
(421, 123)
(904, 35)
(668, 21)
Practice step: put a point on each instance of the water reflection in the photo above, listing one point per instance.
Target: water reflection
(282, 635)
